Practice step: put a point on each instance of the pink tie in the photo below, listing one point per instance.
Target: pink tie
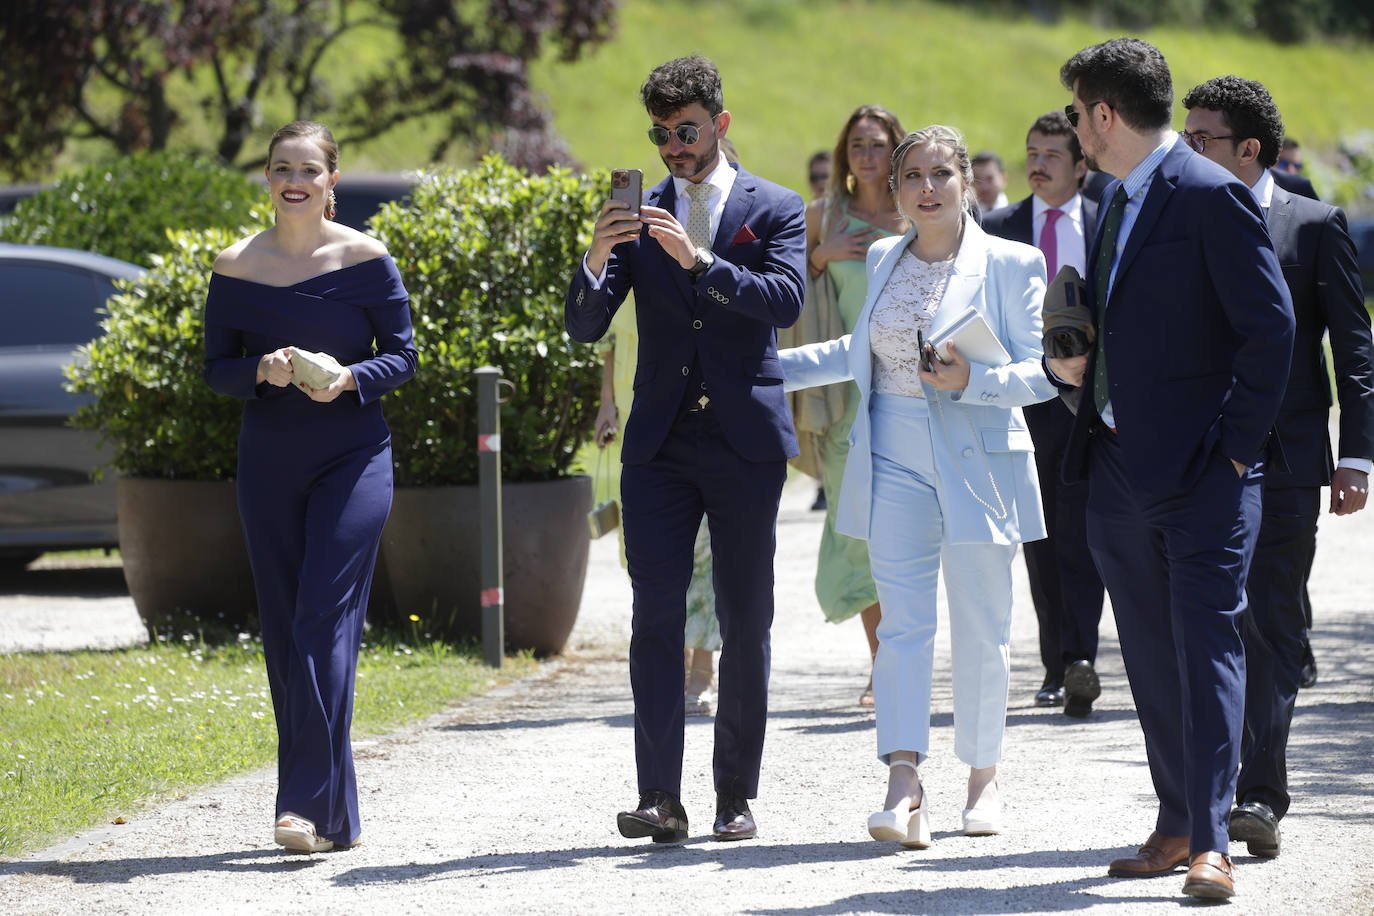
(1049, 242)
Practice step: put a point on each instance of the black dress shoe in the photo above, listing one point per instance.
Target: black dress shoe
(659, 815)
(734, 821)
(1050, 694)
(1307, 674)
(1081, 687)
(1254, 824)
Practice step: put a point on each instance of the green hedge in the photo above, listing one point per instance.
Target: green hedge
(145, 373)
(487, 255)
(124, 209)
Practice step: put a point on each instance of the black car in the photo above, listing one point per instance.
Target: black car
(1362, 232)
(49, 302)
(358, 195)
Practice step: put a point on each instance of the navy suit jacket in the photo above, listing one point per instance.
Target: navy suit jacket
(1198, 331)
(1016, 221)
(726, 319)
(1319, 264)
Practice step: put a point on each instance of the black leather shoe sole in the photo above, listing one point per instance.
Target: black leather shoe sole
(1081, 687)
(1260, 837)
(634, 827)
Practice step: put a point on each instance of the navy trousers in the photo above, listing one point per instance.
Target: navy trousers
(1176, 569)
(695, 472)
(1274, 629)
(1065, 587)
(313, 520)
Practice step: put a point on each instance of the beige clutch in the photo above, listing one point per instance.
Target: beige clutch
(315, 370)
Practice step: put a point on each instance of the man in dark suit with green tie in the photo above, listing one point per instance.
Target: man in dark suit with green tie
(1178, 402)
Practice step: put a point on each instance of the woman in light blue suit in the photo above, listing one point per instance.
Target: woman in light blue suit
(941, 470)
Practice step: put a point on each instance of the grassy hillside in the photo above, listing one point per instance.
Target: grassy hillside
(794, 69)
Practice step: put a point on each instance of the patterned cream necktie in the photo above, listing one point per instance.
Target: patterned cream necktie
(699, 216)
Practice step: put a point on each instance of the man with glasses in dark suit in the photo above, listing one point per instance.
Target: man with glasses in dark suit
(1234, 123)
(716, 260)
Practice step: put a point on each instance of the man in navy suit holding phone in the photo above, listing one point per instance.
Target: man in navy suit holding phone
(716, 261)
(1180, 395)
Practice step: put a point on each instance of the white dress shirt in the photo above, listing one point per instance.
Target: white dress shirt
(1068, 232)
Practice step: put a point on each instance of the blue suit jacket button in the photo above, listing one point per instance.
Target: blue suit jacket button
(697, 324)
(684, 370)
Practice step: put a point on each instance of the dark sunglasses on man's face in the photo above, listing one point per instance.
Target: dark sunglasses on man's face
(687, 134)
(1073, 115)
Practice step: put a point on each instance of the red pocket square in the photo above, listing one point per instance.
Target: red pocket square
(745, 234)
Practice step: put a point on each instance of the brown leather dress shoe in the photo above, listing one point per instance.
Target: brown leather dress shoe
(1160, 855)
(734, 821)
(659, 815)
(1211, 876)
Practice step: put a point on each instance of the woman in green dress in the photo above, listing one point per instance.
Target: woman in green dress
(857, 210)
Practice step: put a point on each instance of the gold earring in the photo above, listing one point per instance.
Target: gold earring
(850, 183)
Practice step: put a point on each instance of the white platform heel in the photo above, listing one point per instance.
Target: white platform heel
(901, 824)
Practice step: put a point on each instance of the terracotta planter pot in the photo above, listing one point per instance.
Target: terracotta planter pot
(432, 547)
(183, 551)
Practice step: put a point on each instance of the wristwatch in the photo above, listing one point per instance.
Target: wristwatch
(704, 261)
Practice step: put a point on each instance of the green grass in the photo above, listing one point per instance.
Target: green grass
(89, 736)
(793, 71)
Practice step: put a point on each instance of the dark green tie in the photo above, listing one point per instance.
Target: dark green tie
(1106, 254)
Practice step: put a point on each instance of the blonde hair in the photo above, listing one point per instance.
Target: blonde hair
(951, 140)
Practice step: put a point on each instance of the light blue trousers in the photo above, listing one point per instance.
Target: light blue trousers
(907, 550)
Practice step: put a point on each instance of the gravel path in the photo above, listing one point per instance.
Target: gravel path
(507, 804)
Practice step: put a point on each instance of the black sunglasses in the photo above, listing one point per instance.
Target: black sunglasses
(687, 134)
(1087, 106)
(1199, 141)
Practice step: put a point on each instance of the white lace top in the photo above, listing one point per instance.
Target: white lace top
(907, 302)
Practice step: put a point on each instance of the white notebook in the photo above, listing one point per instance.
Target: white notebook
(973, 338)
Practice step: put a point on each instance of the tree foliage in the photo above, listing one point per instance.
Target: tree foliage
(105, 69)
(1283, 21)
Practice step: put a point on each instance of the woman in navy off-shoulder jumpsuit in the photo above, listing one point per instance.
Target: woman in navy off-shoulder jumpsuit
(314, 490)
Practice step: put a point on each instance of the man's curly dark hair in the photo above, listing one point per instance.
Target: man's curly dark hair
(1248, 109)
(680, 82)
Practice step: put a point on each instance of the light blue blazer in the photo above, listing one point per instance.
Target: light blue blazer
(1005, 281)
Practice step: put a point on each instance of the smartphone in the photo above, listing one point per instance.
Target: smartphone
(925, 350)
(628, 185)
